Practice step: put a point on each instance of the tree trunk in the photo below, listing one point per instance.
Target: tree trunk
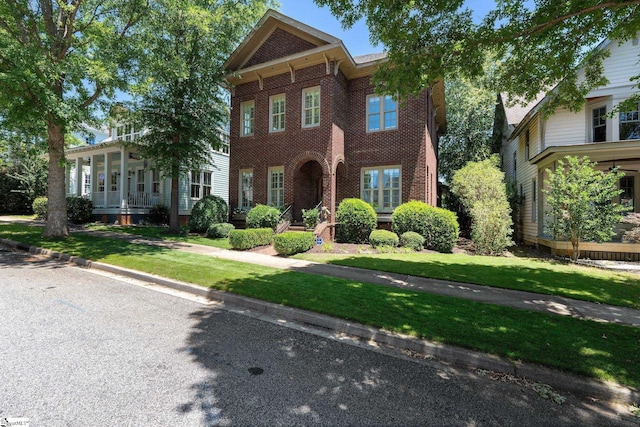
(174, 211)
(56, 188)
(576, 250)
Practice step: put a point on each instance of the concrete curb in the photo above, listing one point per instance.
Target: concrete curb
(451, 355)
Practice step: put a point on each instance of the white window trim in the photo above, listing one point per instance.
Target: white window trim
(284, 112)
(203, 185)
(380, 170)
(192, 183)
(382, 112)
(303, 109)
(620, 122)
(243, 105)
(270, 200)
(534, 200)
(608, 124)
(240, 201)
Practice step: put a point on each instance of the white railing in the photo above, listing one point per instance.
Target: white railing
(143, 200)
(97, 197)
(113, 199)
(132, 200)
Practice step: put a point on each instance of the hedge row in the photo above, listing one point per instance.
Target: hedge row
(250, 238)
(293, 242)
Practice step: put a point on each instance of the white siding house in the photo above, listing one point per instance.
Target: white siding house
(123, 186)
(531, 144)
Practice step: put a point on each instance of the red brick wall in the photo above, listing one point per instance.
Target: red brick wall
(279, 44)
(341, 144)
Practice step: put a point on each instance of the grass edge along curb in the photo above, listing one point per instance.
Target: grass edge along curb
(459, 356)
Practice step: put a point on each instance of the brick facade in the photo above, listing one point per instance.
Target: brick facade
(326, 161)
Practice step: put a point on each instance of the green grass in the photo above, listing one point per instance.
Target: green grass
(604, 351)
(162, 233)
(525, 274)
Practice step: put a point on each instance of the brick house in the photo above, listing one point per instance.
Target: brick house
(307, 128)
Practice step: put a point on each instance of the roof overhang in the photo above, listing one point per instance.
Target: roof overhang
(597, 152)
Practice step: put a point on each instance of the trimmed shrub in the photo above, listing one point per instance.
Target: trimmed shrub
(438, 226)
(14, 199)
(293, 242)
(263, 216)
(79, 210)
(383, 238)
(310, 218)
(355, 219)
(208, 211)
(220, 231)
(40, 207)
(250, 238)
(412, 240)
(159, 214)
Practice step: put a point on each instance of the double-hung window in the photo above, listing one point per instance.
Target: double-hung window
(599, 128)
(206, 183)
(382, 113)
(277, 113)
(630, 124)
(245, 196)
(248, 111)
(276, 187)
(155, 181)
(311, 107)
(140, 181)
(195, 185)
(381, 187)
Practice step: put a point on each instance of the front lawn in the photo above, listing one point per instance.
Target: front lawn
(525, 274)
(604, 351)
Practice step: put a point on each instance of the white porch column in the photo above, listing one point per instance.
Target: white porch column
(79, 177)
(124, 160)
(107, 178)
(93, 173)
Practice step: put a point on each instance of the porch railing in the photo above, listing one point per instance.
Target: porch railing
(131, 200)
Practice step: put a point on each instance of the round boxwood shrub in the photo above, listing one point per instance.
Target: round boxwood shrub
(355, 219)
(79, 210)
(208, 211)
(438, 226)
(293, 242)
(383, 238)
(250, 238)
(40, 207)
(220, 230)
(412, 240)
(263, 216)
(159, 214)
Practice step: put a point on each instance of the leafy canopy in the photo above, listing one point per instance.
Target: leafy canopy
(537, 45)
(581, 201)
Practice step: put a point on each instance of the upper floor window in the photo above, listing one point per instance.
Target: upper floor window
(127, 133)
(599, 124)
(382, 113)
(381, 188)
(248, 111)
(311, 107)
(277, 113)
(526, 145)
(534, 204)
(276, 187)
(515, 165)
(630, 124)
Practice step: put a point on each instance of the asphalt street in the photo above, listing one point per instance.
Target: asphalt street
(83, 349)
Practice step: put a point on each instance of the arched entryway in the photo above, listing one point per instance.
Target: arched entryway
(309, 187)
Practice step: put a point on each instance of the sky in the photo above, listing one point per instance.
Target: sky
(355, 39)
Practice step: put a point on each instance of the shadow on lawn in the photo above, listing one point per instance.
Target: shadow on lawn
(616, 289)
(301, 380)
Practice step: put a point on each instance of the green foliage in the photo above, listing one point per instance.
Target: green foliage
(79, 210)
(180, 75)
(310, 218)
(438, 226)
(355, 219)
(581, 201)
(470, 116)
(535, 46)
(293, 242)
(481, 189)
(413, 240)
(159, 214)
(208, 211)
(383, 238)
(40, 207)
(263, 216)
(13, 200)
(250, 238)
(220, 231)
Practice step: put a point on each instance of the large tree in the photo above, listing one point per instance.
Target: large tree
(539, 45)
(58, 61)
(180, 97)
(581, 202)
